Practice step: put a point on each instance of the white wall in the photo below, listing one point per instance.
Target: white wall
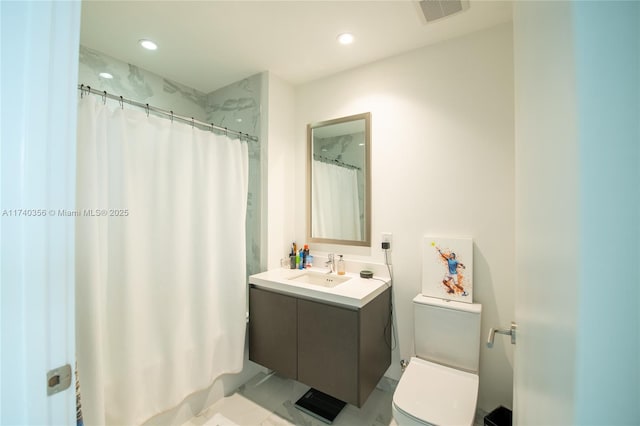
(280, 150)
(442, 163)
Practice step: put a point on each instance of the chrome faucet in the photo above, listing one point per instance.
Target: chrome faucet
(330, 263)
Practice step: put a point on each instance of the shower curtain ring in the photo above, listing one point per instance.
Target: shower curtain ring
(147, 109)
(171, 116)
(193, 123)
(212, 127)
(226, 132)
(104, 98)
(81, 91)
(121, 102)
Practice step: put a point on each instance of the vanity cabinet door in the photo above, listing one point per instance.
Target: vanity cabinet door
(273, 332)
(328, 349)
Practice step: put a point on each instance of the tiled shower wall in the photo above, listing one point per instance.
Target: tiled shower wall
(236, 106)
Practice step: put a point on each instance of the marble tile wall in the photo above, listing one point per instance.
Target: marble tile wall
(236, 106)
(140, 85)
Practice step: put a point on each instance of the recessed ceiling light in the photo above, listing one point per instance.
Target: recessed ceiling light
(345, 38)
(239, 120)
(148, 44)
(105, 75)
(361, 144)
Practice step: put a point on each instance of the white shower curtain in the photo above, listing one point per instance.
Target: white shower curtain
(161, 292)
(337, 187)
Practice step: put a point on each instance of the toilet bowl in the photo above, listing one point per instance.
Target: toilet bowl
(432, 394)
(440, 384)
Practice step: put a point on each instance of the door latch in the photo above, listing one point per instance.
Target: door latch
(58, 379)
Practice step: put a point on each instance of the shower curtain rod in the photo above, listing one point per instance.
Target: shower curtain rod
(335, 162)
(189, 120)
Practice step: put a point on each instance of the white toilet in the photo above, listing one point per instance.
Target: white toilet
(440, 385)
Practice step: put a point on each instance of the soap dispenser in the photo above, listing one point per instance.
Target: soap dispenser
(341, 266)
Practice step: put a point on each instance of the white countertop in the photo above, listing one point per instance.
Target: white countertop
(356, 292)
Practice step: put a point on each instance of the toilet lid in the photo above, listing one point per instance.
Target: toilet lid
(437, 394)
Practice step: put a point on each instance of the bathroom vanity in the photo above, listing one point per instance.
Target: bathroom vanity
(330, 332)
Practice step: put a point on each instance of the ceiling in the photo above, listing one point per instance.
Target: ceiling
(209, 44)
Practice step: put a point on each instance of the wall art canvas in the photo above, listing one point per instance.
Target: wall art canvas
(447, 268)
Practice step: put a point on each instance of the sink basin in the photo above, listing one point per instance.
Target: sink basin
(315, 284)
(320, 279)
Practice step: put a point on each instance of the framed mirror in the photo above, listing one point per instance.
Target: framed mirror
(339, 181)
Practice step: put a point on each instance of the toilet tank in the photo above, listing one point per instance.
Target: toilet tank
(447, 332)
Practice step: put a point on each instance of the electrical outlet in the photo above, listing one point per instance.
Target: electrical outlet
(386, 237)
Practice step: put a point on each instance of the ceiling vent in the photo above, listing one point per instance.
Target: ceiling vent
(432, 10)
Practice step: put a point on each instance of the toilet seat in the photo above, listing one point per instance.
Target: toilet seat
(431, 393)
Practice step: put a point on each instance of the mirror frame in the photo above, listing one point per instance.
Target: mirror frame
(366, 241)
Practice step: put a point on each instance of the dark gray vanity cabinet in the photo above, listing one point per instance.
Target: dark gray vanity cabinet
(339, 350)
(273, 332)
(328, 349)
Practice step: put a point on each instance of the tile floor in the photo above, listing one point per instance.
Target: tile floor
(269, 401)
